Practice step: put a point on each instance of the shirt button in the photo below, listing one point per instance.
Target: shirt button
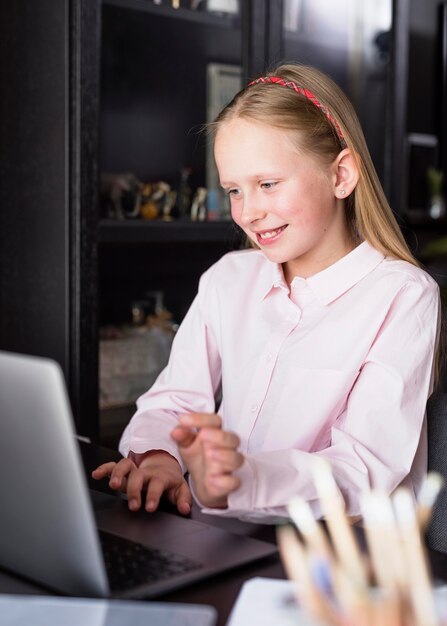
(254, 407)
(269, 356)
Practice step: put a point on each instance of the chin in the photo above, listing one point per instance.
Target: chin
(274, 257)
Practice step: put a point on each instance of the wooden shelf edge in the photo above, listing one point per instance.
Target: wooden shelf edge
(128, 231)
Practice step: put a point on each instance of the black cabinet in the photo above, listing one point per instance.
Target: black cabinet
(120, 85)
(48, 164)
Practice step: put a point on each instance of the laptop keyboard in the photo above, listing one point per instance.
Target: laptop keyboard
(130, 564)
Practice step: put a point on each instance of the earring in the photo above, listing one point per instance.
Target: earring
(342, 192)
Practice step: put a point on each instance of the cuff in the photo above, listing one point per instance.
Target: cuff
(240, 502)
(139, 447)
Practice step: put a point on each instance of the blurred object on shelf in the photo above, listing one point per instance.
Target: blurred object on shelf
(157, 201)
(131, 357)
(212, 205)
(163, 320)
(168, 205)
(124, 197)
(223, 81)
(138, 313)
(120, 195)
(194, 5)
(148, 208)
(218, 206)
(435, 179)
(223, 6)
(161, 197)
(130, 364)
(197, 4)
(198, 205)
(184, 193)
(152, 304)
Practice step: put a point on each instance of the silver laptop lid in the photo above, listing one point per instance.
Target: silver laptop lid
(53, 611)
(46, 518)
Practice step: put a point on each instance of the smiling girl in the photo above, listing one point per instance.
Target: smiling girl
(322, 338)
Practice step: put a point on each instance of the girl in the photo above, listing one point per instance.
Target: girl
(321, 338)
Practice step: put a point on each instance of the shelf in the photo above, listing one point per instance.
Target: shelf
(197, 16)
(139, 231)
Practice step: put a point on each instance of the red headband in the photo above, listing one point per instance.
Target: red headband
(304, 92)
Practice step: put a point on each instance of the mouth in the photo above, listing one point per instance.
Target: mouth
(269, 236)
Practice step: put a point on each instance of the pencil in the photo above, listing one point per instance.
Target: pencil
(303, 518)
(296, 564)
(421, 593)
(386, 556)
(383, 538)
(340, 530)
(430, 489)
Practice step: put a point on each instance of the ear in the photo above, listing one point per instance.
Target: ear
(345, 173)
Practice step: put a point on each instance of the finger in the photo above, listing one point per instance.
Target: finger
(103, 470)
(120, 472)
(184, 437)
(155, 490)
(181, 496)
(136, 482)
(222, 485)
(222, 460)
(219, 438)
(200, 420)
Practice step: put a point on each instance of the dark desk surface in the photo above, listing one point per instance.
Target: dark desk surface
(219, 591)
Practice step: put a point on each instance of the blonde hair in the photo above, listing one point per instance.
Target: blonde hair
(368, 212)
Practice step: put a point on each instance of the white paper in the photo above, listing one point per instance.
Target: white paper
(268, 602)
(271, 602)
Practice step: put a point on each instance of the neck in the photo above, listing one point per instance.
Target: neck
(304, 267)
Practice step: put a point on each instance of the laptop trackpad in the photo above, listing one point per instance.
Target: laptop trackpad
(101, 500)
(159, 528)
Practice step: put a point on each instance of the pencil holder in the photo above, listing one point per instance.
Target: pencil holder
(374, 575)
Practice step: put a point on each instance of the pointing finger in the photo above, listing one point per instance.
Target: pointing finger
(200, 420)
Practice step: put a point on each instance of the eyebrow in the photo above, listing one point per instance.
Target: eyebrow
(260, 176)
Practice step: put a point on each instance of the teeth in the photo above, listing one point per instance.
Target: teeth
(269, 234)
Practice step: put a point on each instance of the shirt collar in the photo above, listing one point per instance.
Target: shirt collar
(336, 279)
(273, 278)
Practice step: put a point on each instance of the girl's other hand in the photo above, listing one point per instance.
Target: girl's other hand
(211, 456)
(156, 471)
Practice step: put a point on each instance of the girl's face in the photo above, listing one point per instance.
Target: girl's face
(283, 200)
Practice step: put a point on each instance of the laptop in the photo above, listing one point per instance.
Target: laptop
(56, 531)
(27, 610)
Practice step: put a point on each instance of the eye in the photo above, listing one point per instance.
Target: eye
(232, 192)
(269, 185)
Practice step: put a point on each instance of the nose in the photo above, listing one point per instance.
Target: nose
(251, 209)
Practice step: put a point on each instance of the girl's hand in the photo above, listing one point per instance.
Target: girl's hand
(210, 455)
(156, 471)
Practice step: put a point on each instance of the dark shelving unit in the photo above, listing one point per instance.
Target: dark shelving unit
(64, 270)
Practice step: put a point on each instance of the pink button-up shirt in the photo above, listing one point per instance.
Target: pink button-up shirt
(339, 365)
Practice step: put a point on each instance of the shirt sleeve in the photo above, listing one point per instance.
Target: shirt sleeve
(381, 431)
(188, 383)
